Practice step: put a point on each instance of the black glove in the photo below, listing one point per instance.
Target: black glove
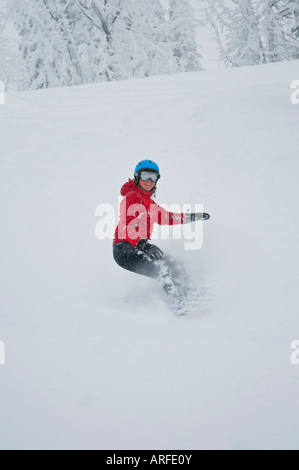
(194, 217)
(151, 250)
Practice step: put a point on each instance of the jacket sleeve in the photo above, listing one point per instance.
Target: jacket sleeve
(163, 217)
(133, 219)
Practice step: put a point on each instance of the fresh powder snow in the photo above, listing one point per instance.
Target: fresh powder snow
(94, 357)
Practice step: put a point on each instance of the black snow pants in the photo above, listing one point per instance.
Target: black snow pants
(170, 272)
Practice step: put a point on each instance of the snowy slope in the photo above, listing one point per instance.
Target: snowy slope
(94, 357)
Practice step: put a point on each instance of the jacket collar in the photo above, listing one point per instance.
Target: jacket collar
(131, 186)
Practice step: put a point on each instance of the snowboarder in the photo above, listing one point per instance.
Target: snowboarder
(131, 247)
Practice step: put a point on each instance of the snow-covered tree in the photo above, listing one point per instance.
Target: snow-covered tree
(141, 41)
(134, 35)
(237, 31)
(291, 12)
(47, 47)
(71, 42)
(128, 54)
(6, 52)
(97, 53)
(156, 42)
(250, 32)
(279, 26)
(182, 33)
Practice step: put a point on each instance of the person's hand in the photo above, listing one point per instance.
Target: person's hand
(152, 251)
(195, 216)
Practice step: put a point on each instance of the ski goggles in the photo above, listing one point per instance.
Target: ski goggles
(149, 175)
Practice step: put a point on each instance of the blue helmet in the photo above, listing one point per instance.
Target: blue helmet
(147, 165)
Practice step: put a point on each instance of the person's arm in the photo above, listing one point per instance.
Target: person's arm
(171, 218)
(164, 217)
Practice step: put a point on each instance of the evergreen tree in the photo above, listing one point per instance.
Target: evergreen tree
(98, 54)
(156, 41)
(252, 32)
(46, 48)
(134, 37)
(237, 31)
(280, 29)
(182, 31)
(71, 42)
(6, 52)
(141, 40)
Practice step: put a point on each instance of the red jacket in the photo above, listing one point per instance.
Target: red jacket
(139, 213)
